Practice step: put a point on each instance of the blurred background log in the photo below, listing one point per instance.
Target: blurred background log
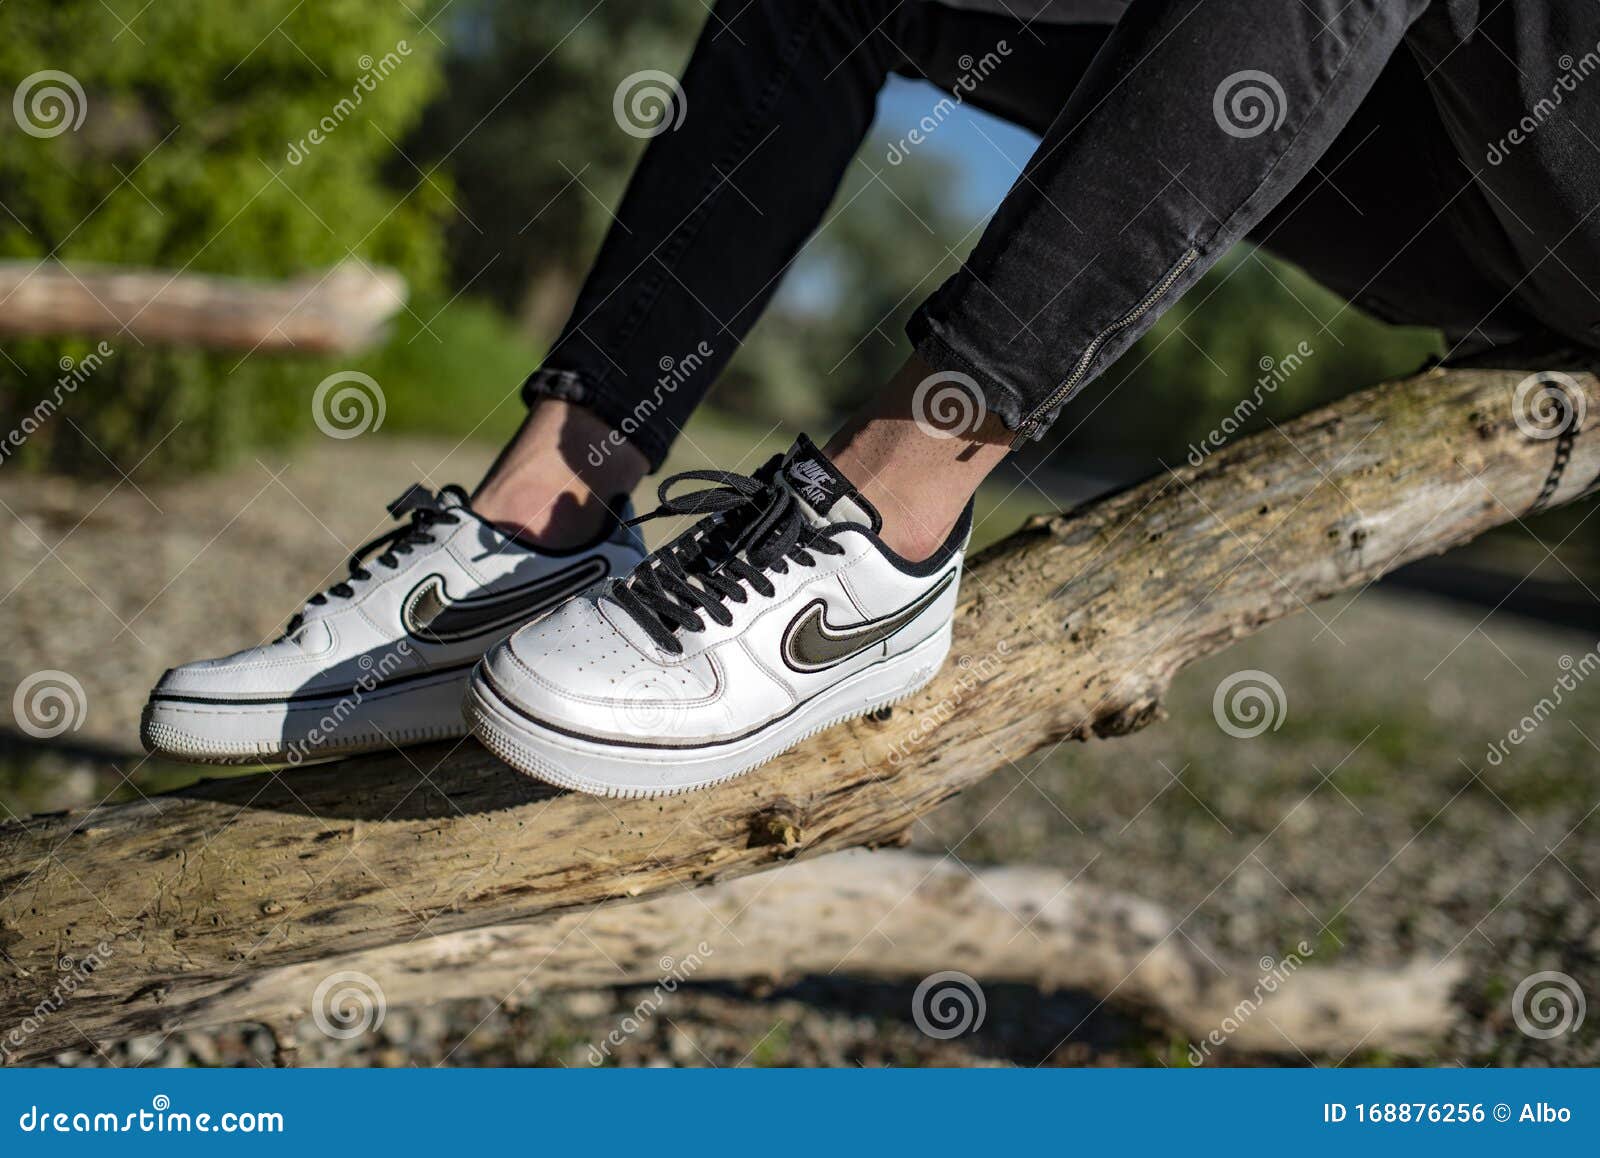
(339, 311)
(895, 916)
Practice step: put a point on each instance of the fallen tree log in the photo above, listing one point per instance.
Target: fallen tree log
(342, 310)
(1073, 627)
(890, 915)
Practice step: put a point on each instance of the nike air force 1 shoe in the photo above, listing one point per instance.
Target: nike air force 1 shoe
(383, 657)
(777, 615)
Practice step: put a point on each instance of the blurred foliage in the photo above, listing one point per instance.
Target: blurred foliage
(1254, 326)
(527, 131)
(453, 371)
(836, 329)
(484, 166)
(183, 162)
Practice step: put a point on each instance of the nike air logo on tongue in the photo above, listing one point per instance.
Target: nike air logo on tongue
(823, 487)
(813, 483)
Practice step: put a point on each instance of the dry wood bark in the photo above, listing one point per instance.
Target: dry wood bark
(892, 915)
(341, 310)
(1073, 627)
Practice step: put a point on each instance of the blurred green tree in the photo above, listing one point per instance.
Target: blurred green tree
(1256, 340)
(836, 329)
(528, 132)
(241, 139)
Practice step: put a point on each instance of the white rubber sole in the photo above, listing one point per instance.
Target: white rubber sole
(291, 733)
(601, 769)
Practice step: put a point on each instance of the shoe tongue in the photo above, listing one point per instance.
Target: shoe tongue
(417, 496)
(825, 495)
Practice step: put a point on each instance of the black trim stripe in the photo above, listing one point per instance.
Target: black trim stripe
(687, 745)
(309, 697)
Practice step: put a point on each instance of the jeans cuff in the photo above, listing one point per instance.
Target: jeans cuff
(571, 386)
(940, 350)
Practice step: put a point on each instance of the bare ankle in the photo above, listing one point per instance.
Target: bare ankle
(555, 481)
(917, 475)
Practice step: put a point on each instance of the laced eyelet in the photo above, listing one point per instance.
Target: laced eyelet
(425, 511)
(752, 529)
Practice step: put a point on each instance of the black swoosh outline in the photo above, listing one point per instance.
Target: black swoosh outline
(503, 607)
(871, 632)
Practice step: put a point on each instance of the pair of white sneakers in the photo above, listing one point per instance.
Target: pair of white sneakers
(778, 613)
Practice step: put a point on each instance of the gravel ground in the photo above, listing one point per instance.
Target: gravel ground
(1368, 822)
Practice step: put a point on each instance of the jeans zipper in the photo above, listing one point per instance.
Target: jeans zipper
(1035, 419)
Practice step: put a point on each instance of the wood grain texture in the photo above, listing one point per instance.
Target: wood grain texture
(1072, 627)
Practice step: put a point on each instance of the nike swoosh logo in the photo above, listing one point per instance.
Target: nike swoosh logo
(812, 644)
(430, 615)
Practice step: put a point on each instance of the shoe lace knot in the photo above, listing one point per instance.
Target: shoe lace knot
(752, 527)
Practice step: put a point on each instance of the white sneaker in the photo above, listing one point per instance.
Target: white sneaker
(778, 615)
(382, 657)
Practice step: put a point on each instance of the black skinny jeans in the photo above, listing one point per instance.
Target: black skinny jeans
(1435, 161)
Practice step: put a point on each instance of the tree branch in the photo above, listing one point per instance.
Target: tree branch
(1073, 627)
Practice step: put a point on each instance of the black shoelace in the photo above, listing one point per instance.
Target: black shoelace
(755, 526)
(426, 512)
